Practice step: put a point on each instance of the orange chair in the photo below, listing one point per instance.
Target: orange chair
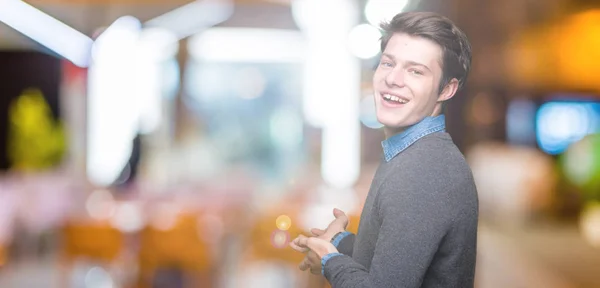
(93, 240)
(3, 256)
(179, 247)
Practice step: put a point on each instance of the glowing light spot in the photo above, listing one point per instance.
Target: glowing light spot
(100, 205)
(280, 239)
(283, 222)
(590, 224)
(368, 113)
(559, 124)
(377, 11)
(363, 41)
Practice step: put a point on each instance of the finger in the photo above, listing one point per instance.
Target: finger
(338, 213)
(313, 257)
(298, 248)
(304, 265)
(312, 243)
(302, 241)
(315, 270)
(317, 232)
(341, 220)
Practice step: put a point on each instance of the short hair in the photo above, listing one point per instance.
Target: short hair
(456, 49)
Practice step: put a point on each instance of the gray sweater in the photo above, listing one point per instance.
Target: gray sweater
(418, 227)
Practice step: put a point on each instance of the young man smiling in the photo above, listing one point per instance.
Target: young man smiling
(418, 227)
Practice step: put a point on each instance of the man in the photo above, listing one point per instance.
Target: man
(418, 226)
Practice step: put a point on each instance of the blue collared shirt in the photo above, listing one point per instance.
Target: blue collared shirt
(397, 143)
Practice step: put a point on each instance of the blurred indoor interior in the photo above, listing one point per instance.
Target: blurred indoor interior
(155, 143)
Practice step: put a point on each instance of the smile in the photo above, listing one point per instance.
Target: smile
(394, 98)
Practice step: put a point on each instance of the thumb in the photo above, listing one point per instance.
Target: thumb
(304, 265)
(317, 232)
(338, 213)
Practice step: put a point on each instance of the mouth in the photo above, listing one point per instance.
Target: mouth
(393, 100)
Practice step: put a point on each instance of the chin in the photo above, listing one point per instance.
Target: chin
(392, 118)
(391, 122)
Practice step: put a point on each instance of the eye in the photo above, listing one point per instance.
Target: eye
(386, 64)
(415, 72)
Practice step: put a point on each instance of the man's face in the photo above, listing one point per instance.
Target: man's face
(406, 82)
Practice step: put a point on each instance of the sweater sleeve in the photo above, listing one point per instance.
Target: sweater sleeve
(344, 243)
(413, 223)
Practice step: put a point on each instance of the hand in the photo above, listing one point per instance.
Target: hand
(312, 259)
(316, 249)
(339, 224)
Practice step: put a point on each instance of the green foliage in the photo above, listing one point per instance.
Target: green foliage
(35, 141)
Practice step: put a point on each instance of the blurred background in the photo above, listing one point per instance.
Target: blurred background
(148, 143)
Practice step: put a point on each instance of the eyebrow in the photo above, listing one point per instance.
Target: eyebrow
(409, 62)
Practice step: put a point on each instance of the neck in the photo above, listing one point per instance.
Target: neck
(391, 131)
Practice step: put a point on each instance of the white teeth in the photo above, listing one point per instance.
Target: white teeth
(394, 98)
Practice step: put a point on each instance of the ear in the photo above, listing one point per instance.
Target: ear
(449, 90)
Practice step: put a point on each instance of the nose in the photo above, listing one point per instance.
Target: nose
(395, 77)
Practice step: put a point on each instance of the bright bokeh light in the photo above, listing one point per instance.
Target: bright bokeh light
(280, 239)
(316, 216)
(121, 34)
(345, 199)
(155, 47)
(194, 17)
(589, 224)
(561, 123)
(97, 277)
(378, 11)
(330, 100)
(368, 113)
(128, 217)
(100, 205)
(126, 88)
(248, 45)
(44, 29)
(340, 164)
(157, 44)
(364, 40)
(112, 116)
(326, 25)
(165, 217)
(283, 222)
(317, 16)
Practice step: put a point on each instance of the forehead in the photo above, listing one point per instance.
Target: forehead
(404, 47)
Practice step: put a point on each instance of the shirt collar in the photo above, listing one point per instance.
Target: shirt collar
(399, 142)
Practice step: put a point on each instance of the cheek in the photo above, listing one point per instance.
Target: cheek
(377, 77)
(422, 91)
